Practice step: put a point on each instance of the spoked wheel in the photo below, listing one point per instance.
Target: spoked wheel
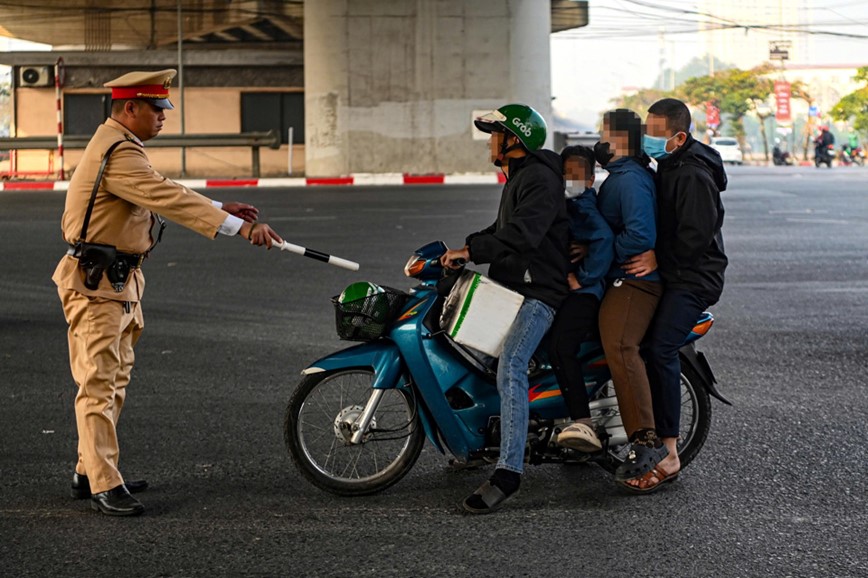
(695, 422)
(319, 428)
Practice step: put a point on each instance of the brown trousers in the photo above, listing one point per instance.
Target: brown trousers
(625, 314)
(102, 335)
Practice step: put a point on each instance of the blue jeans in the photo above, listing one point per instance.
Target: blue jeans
(533, 320)
(676, 315)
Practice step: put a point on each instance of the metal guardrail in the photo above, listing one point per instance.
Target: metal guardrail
(254, 140)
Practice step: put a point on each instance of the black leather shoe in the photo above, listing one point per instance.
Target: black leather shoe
(80, 489)
(116, 502)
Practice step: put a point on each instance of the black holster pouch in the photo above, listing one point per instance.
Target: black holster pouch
(95, 259)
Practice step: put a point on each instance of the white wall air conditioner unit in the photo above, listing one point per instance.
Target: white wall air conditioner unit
(33, 76)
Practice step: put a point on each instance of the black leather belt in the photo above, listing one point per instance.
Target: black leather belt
(134, 260)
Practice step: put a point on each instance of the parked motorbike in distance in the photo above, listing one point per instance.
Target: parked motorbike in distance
(356, 422)
(781, 157)
(852, 155)
(824, 154)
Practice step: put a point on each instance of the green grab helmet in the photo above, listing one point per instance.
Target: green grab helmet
(359, 290)
(519, 119)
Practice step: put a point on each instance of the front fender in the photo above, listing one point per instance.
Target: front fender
(384, 358)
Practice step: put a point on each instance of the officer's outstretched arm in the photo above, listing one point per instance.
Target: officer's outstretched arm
(259, 234)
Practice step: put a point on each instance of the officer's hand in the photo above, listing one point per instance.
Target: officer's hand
(242, 210)
(573, 282)
(450, 257)
(259, 234)
(641, 264)
(578, 251)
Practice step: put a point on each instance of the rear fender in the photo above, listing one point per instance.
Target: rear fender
(699, 363)
(384, 358)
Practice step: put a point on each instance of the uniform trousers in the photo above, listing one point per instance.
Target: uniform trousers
(102, 335)
(625, 314)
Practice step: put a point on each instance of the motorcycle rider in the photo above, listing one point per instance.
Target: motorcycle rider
(823, 141)
(850, 151)
(690, 258)
(526, 248)
(627, 203)
(779, 155)
(576, 320)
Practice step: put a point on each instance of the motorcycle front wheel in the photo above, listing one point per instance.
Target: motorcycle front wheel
(317, 430)
(695, 422)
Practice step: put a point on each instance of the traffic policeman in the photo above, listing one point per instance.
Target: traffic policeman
(114, 200)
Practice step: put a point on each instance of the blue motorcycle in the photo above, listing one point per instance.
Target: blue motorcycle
(357, 421)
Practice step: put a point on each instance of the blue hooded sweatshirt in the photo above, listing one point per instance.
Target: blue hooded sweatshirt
(588, 227)
(627, 201)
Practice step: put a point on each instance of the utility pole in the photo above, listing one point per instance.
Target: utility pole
(661, 38)
(181, 86)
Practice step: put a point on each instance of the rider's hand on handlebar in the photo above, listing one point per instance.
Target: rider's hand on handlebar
(455, 258)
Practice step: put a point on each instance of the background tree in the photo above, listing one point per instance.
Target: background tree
(639, 101)
(854, 106)
(763, 111)
(698, 66)
(799, 90)
(735, 90)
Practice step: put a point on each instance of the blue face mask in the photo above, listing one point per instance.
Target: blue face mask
(655, 146)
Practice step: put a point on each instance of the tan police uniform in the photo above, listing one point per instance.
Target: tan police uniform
(104, 325)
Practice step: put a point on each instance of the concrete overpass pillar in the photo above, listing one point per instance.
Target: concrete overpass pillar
(392, 86)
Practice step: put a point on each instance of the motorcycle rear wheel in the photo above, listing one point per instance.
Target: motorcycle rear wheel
(387, 452)
(695, 422)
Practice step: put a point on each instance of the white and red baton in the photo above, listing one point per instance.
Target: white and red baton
(324, 257)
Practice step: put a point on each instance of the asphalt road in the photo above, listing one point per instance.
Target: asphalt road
(779, 489)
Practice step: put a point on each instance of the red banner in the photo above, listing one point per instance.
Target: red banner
(782, 97)
(712, 115)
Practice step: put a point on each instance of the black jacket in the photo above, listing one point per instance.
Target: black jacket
(527, 244)
(689, 247)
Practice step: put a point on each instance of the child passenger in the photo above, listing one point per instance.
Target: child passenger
(576, 320)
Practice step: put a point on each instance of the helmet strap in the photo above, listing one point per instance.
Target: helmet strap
(506, 149)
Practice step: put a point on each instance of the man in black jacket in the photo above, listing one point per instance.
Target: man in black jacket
(690, 259)
(527, 251)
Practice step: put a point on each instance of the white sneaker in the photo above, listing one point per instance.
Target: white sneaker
(580, 437)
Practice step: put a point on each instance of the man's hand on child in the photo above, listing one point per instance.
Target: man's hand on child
(578, 251)
(641, 264)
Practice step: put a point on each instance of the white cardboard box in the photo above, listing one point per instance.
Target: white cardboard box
(479, 313)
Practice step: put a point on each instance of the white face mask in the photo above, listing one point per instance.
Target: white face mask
(574, 189)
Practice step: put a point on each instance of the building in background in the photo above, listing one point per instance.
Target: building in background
(740, 31)
(365, 86)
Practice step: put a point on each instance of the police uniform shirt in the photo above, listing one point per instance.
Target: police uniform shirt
(130, 191)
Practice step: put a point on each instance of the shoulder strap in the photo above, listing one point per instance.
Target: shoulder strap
(96, 183)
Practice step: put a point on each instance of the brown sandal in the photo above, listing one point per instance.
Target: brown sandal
(646, 485)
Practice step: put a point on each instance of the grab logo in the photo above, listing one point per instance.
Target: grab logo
(524, 128)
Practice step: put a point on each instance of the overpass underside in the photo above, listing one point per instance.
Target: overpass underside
(388, 86)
